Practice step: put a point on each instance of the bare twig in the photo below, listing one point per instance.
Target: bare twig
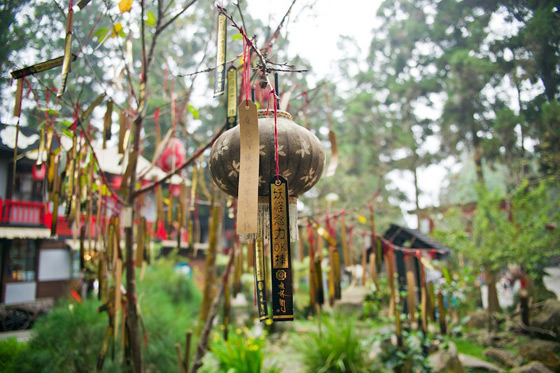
(203, 343)
(183, 166)
(268, 44)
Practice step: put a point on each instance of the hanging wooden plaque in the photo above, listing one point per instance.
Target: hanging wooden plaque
(260, 279)
(232, 97)
(318, 282)
(337, 276)
(219, 84)
(247, 207)
(39, 67)
(282, 295)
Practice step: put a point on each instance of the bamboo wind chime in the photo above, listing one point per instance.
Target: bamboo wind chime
(265, 161)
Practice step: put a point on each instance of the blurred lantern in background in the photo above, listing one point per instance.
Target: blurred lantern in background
(173, 155)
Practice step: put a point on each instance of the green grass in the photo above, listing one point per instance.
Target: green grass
(467, 347)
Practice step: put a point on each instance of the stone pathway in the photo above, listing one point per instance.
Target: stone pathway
(21, 335)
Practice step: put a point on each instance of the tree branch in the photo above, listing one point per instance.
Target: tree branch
(184, 165)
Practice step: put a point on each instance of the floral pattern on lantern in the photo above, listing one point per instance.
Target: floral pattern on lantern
(300, 154)
(301, 161)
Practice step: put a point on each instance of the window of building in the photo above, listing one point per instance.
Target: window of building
(22, 261)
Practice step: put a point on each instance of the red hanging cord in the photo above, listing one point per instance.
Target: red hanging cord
(273, 92)
(90, 32)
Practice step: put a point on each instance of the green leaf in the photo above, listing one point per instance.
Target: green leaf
(237, 36)
(193, 111)
(151, 21)
(101, 32)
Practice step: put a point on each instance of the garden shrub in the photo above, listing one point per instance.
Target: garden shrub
(70, 337)
(335, 347)
(9, 349)
(241, 353)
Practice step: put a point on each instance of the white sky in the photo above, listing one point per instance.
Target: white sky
(313, 34)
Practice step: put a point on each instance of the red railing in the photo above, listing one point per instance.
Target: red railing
(22, 212)
(37, 213)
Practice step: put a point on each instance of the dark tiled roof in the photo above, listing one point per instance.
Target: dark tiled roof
(402, 236)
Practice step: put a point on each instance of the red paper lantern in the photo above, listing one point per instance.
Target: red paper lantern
(172, 156)
(38, 172)
(175, 190)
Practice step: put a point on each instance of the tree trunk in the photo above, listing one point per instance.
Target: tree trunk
(132, 314)
(477, 157)
(493, 302)
(210, 268)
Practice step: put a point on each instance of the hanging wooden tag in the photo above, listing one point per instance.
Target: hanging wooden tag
(364, 262)
(19, 95)
(67, 52)
(322, 232)
(118, 294)
(411, 287)
(227, 309)
(102, 293)
(281, 260)
(237, 269)
(159, 203)
(54, 213)
(441, 309)
(123, 127)
(82, 248)
(260, 284)
(219, 84)
(93, 105)
(104, 348)
(194, 183)
(232, 97)
(39, 67)
(373, 269)
(331, 278)
(337, 277)
(320, 293)
(107, 123)
(333, 164)
(344, 239)
(248, 189)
